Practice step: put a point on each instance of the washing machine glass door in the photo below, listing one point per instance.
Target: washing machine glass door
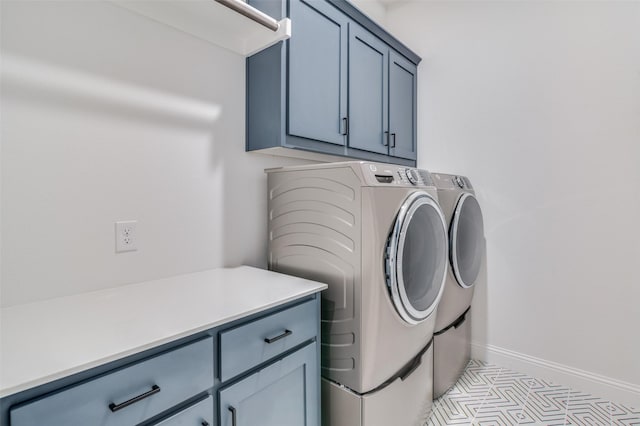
(466, 240)
(416, 258)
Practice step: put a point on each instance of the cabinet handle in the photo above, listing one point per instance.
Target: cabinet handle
(280, 336)
(385, 139)
(345, 125)
(205, 423)
(115, 407)
(234, 416)
(393, 140)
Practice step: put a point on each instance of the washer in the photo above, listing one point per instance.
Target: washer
(452, 337)
(376, 235)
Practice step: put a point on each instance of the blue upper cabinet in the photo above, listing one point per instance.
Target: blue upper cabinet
(317, 72)
(368, 91)
(341, 86)
(402, 106)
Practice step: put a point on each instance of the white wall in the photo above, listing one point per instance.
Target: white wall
(110, 116)
(374, 9)
(539, 104)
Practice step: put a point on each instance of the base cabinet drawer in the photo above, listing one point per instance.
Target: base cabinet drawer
(200, 414)
(127, 396)
(245, 346)
(285, 393)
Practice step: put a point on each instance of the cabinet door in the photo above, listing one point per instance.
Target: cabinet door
(368, 91)
(285, 393)
(317, 71)
(402, 107)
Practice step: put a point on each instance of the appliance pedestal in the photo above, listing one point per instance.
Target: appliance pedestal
(403, 402)
(452, 352)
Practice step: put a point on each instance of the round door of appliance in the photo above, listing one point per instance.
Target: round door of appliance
(416, 258)
(466, 240)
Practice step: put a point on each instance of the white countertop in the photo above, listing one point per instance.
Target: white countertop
(44, 341)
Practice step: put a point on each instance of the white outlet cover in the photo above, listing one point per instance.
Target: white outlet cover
(126, 236)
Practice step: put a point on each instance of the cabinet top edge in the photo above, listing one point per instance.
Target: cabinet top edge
(360, 17)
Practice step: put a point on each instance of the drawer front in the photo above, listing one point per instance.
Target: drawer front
(200, 414)
(246, 346)
(160, 382)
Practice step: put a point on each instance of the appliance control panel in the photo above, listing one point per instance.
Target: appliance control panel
(446, 181)
(380, 174)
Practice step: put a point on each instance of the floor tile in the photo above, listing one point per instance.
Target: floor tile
(509, 391)
(624, 415)
(449, 411)
(487, 395)
(588, 410)
(501, 415)
(546, 403)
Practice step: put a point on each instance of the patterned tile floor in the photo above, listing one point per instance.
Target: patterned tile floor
(487, 395)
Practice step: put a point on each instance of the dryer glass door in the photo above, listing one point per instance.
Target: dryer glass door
(416, 258)
(467, 240)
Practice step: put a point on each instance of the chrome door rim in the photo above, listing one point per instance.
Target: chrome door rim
(396, 251)
(453, 244)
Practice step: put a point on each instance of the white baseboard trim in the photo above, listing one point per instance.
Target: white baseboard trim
(596, 384)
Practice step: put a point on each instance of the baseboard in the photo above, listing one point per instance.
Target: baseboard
(595, 384)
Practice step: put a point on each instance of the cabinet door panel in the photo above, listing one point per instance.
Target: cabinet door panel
(317, 71)
(402, 106)
(368, 91)
(284, 393)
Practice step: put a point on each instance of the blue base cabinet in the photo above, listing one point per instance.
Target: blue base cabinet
(341, 85)
(200, 414)
(260, 370)
(281, 394)
(155, 384)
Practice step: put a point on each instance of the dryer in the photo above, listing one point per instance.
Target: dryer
(376, 235)
(452, 337)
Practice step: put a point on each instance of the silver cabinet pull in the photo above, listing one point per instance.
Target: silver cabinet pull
(278, 337)
(345, 125)
(115, 407)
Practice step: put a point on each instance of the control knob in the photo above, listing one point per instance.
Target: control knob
(412, 176)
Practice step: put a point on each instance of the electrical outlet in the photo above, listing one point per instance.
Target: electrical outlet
(126, 238)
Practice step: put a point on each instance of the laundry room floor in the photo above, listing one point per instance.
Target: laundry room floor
(490, 395)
